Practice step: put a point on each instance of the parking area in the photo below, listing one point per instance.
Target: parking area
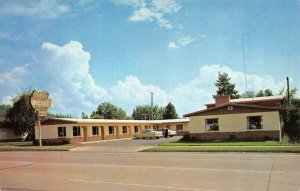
(113, 169)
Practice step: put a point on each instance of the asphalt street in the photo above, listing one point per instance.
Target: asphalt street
(94, 167)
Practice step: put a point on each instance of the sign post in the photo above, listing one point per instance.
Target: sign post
(40, 102)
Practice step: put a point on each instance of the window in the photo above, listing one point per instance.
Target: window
(230, 107)
(255, 122)
(124, 128)
(61, 131)
(95, 130)
(136, 129)
(179, 128)
(212, 125)
(76, 131)
(111, 130)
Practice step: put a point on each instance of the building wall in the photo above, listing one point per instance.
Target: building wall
(235, 122)
(235, 125)
(50, 131)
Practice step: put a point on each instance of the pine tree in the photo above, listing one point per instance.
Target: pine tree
(170, 112)
(225, 87)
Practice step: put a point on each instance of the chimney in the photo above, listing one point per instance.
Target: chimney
(223, 99)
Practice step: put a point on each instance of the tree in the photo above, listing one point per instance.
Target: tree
(291, 116)
(170, 112)
(3, 109)
(84, 116)
(225, 87)
(106, 110)
(145, 112)
(21, 116)
(291, 127)
(264, 93)
(248, 94)
(58, 115)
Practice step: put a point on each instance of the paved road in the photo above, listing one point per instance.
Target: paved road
(136, 171)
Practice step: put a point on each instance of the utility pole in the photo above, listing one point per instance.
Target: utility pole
(151, 105)
(288, 90)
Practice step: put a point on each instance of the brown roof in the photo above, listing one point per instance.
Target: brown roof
(251, 107)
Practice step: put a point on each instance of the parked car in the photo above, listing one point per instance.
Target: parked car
(148, 134)
(171, 133)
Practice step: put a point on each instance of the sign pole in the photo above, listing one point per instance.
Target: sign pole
(40, 102)
(40, 132)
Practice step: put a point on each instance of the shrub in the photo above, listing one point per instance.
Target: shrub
(185, 137)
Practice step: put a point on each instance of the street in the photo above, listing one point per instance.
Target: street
(95, 167)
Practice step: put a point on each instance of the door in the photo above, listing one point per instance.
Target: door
(85, 138)
(102, 133)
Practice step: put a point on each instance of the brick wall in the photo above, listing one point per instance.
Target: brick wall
(247, 135)
(94, 138)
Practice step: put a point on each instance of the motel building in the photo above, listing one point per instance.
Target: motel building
(67, 130)
(226, 119)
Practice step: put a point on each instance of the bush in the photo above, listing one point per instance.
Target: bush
(185, 138)
(291, 127)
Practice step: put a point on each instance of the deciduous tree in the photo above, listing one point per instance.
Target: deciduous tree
(21, 116)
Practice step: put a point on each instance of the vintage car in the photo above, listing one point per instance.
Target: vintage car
(148, 134)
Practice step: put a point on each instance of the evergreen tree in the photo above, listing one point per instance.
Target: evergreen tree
(225, 87)
(170, 112)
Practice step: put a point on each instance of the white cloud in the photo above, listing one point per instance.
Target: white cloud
(66, 70)
(154, 11)
(192, 95)
(13, 82)
(184, 41)
(131, 92)
(134, 3)
(39, 8)
(172, 45)
(166, 6)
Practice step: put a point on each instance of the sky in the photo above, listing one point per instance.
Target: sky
(86, 52)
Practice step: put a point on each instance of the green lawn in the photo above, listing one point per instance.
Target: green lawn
(28, 146)
(252, 143)
(262, 146)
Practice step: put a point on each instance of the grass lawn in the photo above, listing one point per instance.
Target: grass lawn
(28, 146)
(262, 146)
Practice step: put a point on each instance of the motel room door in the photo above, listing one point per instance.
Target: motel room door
(102, 133)
(85, 138)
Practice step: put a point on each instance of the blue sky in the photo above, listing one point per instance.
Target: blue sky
(86, 52)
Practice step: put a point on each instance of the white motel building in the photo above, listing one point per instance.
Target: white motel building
(243, 119)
